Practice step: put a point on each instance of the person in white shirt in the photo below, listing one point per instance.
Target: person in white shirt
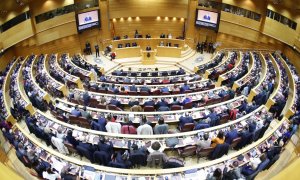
(51, 175)
(112, 126)
(144, 128)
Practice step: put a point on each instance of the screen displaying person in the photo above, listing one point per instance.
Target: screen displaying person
(206, 17)
(88, 18)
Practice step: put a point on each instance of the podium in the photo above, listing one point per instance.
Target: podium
(148, 57)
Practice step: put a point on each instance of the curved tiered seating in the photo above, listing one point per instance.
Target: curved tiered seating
(25, 70)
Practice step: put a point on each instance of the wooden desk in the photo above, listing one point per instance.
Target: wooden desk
(165, 51)
(271, 101)
(223, 77)
(6, 96)
(147, 172)
(264, 70)
(148, 57)
(128, 52)
(144, 42)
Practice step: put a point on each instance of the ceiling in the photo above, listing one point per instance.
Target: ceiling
(14, 5)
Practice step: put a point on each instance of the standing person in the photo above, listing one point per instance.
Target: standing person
(97, 50)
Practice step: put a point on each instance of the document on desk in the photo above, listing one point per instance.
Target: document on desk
(109, 177)
(188, 140)
(89, 174)
(58, 165)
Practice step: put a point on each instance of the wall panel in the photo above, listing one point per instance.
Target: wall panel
(42, 6)
(6, 58)
(149, 25)
(16, 34)
(141, 8)
(239, 31)
(279, 31)
(55, 33)
(56, 21)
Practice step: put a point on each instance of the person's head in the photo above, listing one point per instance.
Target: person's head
(69, 133)
(20, 145)
(217, 173)
(76, 107)
(144, 120)
(220, 135)
(235, 163)
(174, 98)
(232, 127)
(134, 147)
(59, 130)
(161, 121)
(156, 146)
(263, 157)
(102, 139)
(206, 136)
(84, 108)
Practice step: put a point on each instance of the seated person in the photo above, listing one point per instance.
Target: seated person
(112, 126)
(132, 102)
(161, 43)
(185, 119)
(205, 143)
(76, 112)
(148, 48)
(144, 128)
(184, 88)
(145, 88)
(186, 100)
(161, 127)
(133, 88)
(148, 35)
(115, 102)
(220, 139)
(162, 35)
(128, 127)
(99, 124)
(164, 89)
(161, 103)
(231, 135)
(175, 101)
(134, 44)
(70, 139)
(105, 145)
(127, 45)
(156, 155)
(149, 102)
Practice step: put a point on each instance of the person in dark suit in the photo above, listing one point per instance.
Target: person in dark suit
(150, 102)
(86, 98)
(99, 124)
(184, 88)
(115, 102)
(183, 120)
(133, 88)
(231, 135)
(145, 88)
(71, 139)
(175, 101)
(161, 103)
(105, 146)
(76, 112)
(97, 50)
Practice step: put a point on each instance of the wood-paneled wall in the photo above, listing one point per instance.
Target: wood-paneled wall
(16, 34)
(257, 6)
(230, 41)
(70, 44)
(6, 58)
(150, 25)
(150, 8)
(42, 6)
(279, 31)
